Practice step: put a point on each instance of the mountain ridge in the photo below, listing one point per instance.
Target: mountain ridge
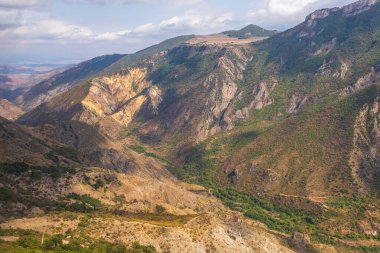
(284, 131)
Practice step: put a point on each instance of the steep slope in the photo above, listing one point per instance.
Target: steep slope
(283, 130)
(103, 65)
(324, 59)
(199, 90)
(116, 98)
(139, 58)
(365, 153)
(61, 82)
(160, 94)
(9, 110)
(304, 131)
(56, 192)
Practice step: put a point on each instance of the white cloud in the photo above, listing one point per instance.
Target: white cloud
(197, 21)
(286, 13)
(288, 7)
(46, 30)
(105, 2)
(112, 35)
(146, 28)
(126, 2)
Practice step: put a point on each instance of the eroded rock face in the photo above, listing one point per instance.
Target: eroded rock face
(64, 80)
(348, 10)
(365, 155)
(261, 97)
(200, 107)
(329, 68)
(318, 14)
(261, 94)
(363, 81)
(9, 110)
(326, 48)
(222, 87)
(297, 103)
(357, 7)
(119, 97)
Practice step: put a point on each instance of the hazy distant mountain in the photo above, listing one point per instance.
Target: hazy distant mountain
(16, 79)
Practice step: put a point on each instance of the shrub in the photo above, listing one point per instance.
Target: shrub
(7, 194)
(160, 209)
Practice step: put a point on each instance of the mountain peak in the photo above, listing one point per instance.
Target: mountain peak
(250, 31)
(357, 7)
(348, 10)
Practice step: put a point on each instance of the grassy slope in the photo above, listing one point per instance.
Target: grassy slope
(321, 137)
(139, 57)
(307, 152)
(310, 150)
(74, 75)
(30, 241)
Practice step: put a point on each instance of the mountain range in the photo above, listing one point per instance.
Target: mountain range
(249, 141)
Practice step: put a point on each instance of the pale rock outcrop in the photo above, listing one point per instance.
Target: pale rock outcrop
(318, 14)
(120, 97)
(260, 98)
(326, 48)
(9, 110)
(363, 81)
(357, 7)
(328, 69)
(297, 103)
(348, 10)
(365, 154)
(344, 68)
(222, 83)
(261, 94)
(155, 97)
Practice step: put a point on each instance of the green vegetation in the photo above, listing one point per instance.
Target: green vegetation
(184, 65)
(141, 150)
(86, 200)
(160, 218)
(160, 209)
(34, 172)
(201, 169)
(138, 58)
(7, 194)
(66, 152)
(310, 133)
(250, 31)
(30, 241)
(285, 220)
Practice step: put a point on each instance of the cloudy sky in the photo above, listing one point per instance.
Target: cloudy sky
(69, 31)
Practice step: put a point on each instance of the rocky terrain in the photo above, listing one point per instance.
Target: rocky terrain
(9, 110)
(247, 141)
(54, 193)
